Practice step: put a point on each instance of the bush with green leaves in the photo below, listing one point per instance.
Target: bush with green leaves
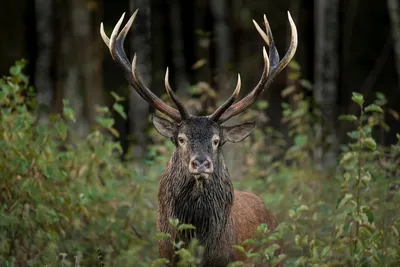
(63, 197)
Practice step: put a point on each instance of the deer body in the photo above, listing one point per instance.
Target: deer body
(223, 217)
(196, 187)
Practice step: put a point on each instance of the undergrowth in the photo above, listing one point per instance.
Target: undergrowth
(66, 201)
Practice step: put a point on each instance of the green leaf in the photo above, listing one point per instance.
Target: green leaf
(62, 130)
(395, 230)
(271, 249)
(380, 96)
(343, 200)
(300, 141)
(250, 242)
(325, 251)
(15, 70)
(174, 222)
(354, 135)
(120, 109)
(348, 157)
(179, 244)
(239, 248)
(161, 262)
(186, 227)
(302, 208)
(370, 143)
(199, 63)
(292, 213)
(114, 131)
(276, 260)
(69, 114)
(294, 65)
(117, 97)
(293, 76)
(358, 98)
(159, 236)
(306, 84)
(369, 213)
(262, 104)
(373, 108)
(49, 171)
(105, 122)
(347, 118)
(288, 90)
(366, 178)
(297, 240)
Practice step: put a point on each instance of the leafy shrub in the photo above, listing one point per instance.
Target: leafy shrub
(63, 197)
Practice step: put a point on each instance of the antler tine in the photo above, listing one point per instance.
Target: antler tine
(174, 97)
(292, 47)
(273, 52)
(116, 46)
(104, 35)
(272, 66)
(217, 114)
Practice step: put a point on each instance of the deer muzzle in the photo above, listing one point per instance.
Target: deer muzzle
(201, 166)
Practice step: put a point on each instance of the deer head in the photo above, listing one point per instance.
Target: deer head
(198, 139)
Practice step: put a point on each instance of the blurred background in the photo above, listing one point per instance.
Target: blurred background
(344, 46)
(71, 188)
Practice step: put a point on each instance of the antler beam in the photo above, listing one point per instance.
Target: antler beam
(116, 46)
(272, 66)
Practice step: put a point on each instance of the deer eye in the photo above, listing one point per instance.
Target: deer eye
(181, 140)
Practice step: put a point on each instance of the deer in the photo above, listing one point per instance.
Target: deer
(195, 186)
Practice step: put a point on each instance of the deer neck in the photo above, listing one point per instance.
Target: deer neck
(205, 204)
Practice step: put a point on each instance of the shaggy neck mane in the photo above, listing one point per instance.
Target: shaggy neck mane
(204, 204)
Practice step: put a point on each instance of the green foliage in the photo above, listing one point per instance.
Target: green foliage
(65, 198)
(62, 196)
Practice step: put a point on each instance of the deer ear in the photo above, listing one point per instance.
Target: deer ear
(237, 133)
(163, 126)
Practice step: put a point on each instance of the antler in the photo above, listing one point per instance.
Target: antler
(272, 66)
(116, 45)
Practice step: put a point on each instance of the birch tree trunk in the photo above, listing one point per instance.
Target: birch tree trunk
(141, 45)
(394, 15)
(326, 73)
(45, 42)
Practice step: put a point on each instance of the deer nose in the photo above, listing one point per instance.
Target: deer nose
(201, 165)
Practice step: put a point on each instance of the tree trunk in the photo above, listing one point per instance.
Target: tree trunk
(85, 21)
(225, 80)
(178, 56)
(141, 45)
(68, 66)
(394, 15)
(326, 73)
(223, 47)
(77, 61)
(45, 46)
(202, 46)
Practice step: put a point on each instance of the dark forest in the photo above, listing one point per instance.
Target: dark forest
(82, 161)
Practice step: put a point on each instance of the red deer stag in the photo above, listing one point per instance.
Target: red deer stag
(196, 187)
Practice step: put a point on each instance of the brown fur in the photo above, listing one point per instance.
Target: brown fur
(223, 217)
(247, 213)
